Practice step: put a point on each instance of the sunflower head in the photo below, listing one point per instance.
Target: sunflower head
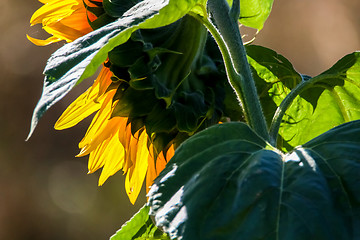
(167, 83)
(153, 92)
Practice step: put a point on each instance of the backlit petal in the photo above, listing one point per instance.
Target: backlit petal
(136, 175)
(96, 157)
(64, 19)
(99, 122)
(86, 104)
(107, 131)
(113, 156)
(45, 42)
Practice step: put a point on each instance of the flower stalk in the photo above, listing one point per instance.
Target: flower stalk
(238, 69)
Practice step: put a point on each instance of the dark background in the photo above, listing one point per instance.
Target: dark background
(45, 192)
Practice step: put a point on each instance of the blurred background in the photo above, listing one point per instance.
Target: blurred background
(45, 192)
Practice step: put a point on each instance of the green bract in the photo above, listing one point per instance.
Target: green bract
(167, 83)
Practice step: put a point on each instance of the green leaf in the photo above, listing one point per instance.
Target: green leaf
(324, 102)
(116, 8)
(227, 183)
(327, 100)
(140, 227)
(274, 76)
(80, 59)
(253, 13)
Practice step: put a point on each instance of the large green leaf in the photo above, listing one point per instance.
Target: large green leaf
(228, 183)
(325, 101)
(139, 227)
(322, 102)
(274, 76)
(253, 13)
(80, 59)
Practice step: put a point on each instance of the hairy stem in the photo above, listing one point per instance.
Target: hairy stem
(228, 37)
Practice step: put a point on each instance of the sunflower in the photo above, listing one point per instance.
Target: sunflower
(152, 93)
(108, 142)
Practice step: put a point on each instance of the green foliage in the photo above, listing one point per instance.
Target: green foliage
(228, 183)
(324, 101)
(116, 8)
(140, 227)
(274, 76)
(182, 85)
(335, 92)
(80, 59)
(253, 13)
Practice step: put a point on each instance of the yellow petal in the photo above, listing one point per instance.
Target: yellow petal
(87, 103)
(53, 11)
(169, 154)
(107, 131)
(64, 19)
(104, 80)
(132, 149)
(45, 42)
(96, 157)
(156, 166)
(126, 138)
(114, 159)
(78, 110)
(64, 32)
(136, 175)
(125, 133)
(151, 172)
(99, 122)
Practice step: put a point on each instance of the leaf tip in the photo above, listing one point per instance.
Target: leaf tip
(34, 122)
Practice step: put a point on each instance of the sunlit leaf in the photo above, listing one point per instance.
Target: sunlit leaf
(274, 76)
(328, 100)
(253, 13)
(140, 227)
(228, 183)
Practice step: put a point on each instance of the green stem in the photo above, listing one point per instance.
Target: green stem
(228, 37)
(222, 46)
(284, 105)
(280, 112)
